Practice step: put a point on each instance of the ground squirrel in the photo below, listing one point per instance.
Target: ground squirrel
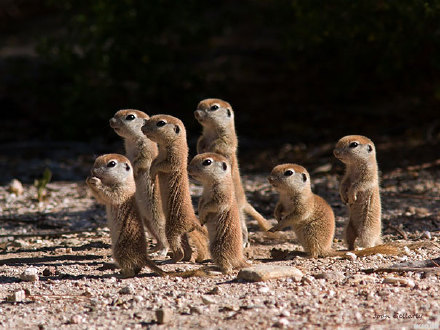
(217, 119)
(218, 210)
(310, 216)
(141, 151)
(359, 189)
(112, 183)
(171, 167)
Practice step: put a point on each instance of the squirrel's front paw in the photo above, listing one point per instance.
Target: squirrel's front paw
(93, 181)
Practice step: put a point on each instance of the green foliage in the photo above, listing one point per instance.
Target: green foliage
(41, 184)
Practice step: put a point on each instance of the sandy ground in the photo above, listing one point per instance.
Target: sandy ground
(78, 288)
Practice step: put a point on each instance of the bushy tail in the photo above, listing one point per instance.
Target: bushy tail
(262, 222)
(393, 249)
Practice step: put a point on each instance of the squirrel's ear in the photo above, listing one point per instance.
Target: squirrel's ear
(229, 112)
(225, 166)
(177, 129)
(304, 176)
(370, 148)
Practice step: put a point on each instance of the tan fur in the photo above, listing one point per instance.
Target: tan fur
(359, 189)
(218, 210)
(219, 136)
(141, 151)
(112, 183)
(171, 167)
(308, 214)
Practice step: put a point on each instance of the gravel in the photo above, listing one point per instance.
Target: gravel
(63, 241)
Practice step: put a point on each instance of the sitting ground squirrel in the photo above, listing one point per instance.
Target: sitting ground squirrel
(141, 151)
(359, 189)
(310, 216)
(218, 136)
(218, 210)
(112, 184)
(171, 167)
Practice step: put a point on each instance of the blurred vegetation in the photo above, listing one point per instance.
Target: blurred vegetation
(41, 184)
(375, 64)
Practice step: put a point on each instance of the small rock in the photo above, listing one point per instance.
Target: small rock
(17, 296)
(266, 272)
(30, 275)
(362, 279)
(76, 319)
(127, 289)
(285, 313)
(138, 299)
(264, 289)
(332, 276)
(407, 250)
(307, 279)
(214, 290)
(19, 243)
(164, 315)
(15, 187)
(398, 280)
(426, 235)
(282, 323)
(351, 256)
(207, 300)
(233, 308)
(49, 271)
(195, 310)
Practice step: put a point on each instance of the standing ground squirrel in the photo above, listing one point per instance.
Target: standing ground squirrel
(218, 136)
(218, 210)
(310, 216)
(171, 167)
(112, 184)
(141, 151)
(359, 189)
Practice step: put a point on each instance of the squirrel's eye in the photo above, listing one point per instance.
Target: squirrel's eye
(160, 123)
(111, 163)
(214, 107)
(207, 162)
(353, 144)
(130, 117)
(288, 173)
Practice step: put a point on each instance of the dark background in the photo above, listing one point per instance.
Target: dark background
(298, 74)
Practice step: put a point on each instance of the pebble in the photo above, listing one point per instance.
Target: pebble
(333, 276)
(17, 296)
(282, 323)
(164, 315)
(398, 280)
(207, 300)
(138, 299)
(30, 275)
(264, 289)
(195, 310)
(351, 256)
(15, 187)
(426, 235)
(362, 279)
(76, 319)
(214, 290)
(265, 272)
(49, 271)
(407, 250)
(127, 289)
(307, 279)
